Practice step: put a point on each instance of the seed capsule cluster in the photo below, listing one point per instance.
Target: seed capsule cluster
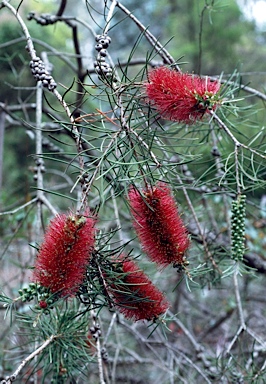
(39, 165)
(104, 355)
(102, 68)
(40, 74)
(84, 180)
(238, 227)
(43, 19)
(96, 331)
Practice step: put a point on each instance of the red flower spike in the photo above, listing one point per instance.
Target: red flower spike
(65, 253)
(158, 225)
(181, 96)
(135, 295)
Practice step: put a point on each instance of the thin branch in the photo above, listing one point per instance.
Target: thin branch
(112, 322)
(238, 184)
(230, 346)
(148, 344)
(242, 326)
(129, 130)
(259, 373)
(238, 298)
(51, 50)
(32, 52)
(232, 137)
(201, 232)
(39, 161)
(109, 17)
(46, 202)
(244, 87)
(32, 201)
(253, 91)
(117, 217)
(24, 28)
(200, 37)
(13, 377)
(97, 169)
(61, 8)
(98, 346)
(167, 58)
(2, 135)
(188, 334)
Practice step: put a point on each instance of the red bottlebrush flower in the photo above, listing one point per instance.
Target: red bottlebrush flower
(134, 294)
(180, 96)
(158, 225)
(65, 253)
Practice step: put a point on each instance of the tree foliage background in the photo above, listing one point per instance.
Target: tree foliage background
(85, 142)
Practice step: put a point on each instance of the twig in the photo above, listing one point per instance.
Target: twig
(244, 87)
(238, 298)
(256, 337)
(109, 16)
(232, 137)
(96, 335)
(151, 63)
(52, 50)
(100, 363)
(253, 91)
(117, 217)
(46, 202)
(216, 323)
(24, 28)
(76, 133)
(242, 326)
(200, 36)
(203, 237)
(2, 135)
(145, 145)
(32, 201)
(19, 225)
(129, 130)
(220, 170)
(97, 168)
(61, 8)
(259, 373)
(238, 185)
(39, 161)
(32, 52)
(148, 342)
(110, 328)
(238, 333)
(168, 59)
(188, 334)
(13, 377)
